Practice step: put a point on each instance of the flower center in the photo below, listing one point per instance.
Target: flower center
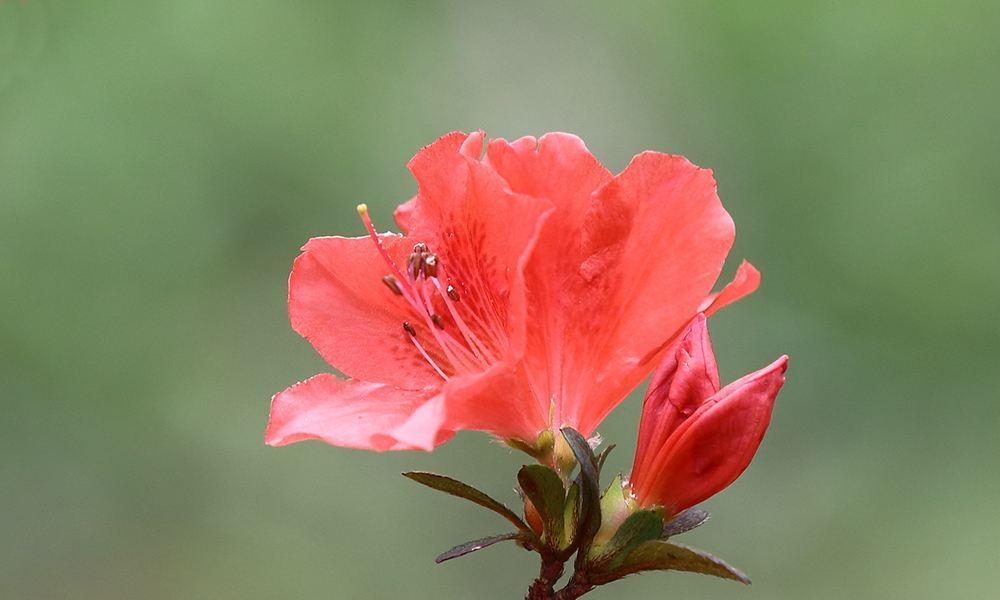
(445, 339)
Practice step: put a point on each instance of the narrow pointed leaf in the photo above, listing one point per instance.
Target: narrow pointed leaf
(590, 491)
(684, 522)
(466, 491)
(603, 456)
(657, 555)
(545, 489)
(641, 526)
(469, 547)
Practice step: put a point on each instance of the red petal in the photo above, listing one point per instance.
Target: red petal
(745, 282)
(337, 300)
(615, 275)
(353, 414)
(557, 167)
(686, 378)
(404, 214)
(498, 401)
(716, 444)
(470, 146)
(482, 232)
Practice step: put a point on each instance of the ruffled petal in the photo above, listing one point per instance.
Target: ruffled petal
(715, 445)
(348, 413)
(337, 301)
(687, 376)
(557, 167)
(745, 282)
(607, 292)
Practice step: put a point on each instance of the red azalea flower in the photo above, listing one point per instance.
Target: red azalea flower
(695, 439)
(531, 289)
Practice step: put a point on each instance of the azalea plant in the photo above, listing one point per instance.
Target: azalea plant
(529, 292)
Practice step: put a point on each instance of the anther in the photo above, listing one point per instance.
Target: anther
(414, 265)
(391, 283)
(419, 248)
(409, 329)
(438, 321)
(430, 265)
(452, 293)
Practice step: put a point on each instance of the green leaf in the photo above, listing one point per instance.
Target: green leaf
(590, 492)
(641, 526)
(544, 488)
(684, 522)
(658, 555)
(603, 456)
(469, 547)
(463, 490)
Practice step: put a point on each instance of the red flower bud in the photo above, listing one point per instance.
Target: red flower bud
(694, 439)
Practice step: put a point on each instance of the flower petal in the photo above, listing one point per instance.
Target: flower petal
(337, 301)
(745, 282)
(498, 401)
(610, 284)
(686, 378)
(557, 167)
(716, 444)
(348, 413)
(481, 231)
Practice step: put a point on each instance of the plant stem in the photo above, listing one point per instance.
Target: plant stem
(576, 587)
(543, 588)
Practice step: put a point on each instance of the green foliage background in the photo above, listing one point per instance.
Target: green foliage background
(161, 163)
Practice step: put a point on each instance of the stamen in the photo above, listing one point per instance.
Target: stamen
(430, 265)
(413, 338)
(438, 321)
(414, 264)
(409, 329)
(419, 248)
(363, 213)
(452, 293)
(475, 344)
(393, 285)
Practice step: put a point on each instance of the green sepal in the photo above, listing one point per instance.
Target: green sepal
(571, 515)
(658, 555)
(469, 547)
(612, 499)
(590, 492)
(466, 491)
(541, 450)
(544, 488)
(641, 526)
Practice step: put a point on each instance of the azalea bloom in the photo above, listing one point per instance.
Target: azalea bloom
(695, 439)
(531, 289)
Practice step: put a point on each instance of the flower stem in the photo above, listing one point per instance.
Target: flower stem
(543, 588)
(576, 587)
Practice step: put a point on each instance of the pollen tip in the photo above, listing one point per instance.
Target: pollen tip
(362, 209)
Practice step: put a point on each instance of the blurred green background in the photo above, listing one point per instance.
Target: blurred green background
(162, 162)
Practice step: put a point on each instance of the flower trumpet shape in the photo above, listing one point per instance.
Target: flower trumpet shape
(531, 289)
(695, 439)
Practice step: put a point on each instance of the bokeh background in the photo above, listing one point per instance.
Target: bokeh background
(162, 162)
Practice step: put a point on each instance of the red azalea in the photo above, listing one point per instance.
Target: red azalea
(532, 289)
(695, 439)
